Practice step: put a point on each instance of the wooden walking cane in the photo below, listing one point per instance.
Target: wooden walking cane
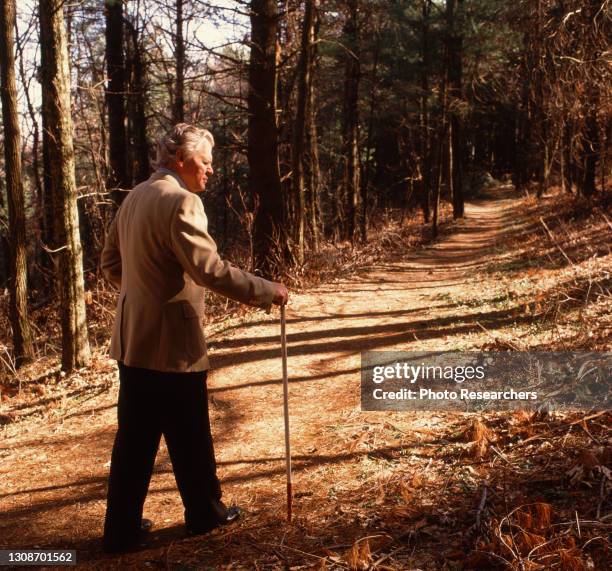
(286, 410)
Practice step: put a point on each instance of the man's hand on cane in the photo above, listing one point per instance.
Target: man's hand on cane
(282, 295)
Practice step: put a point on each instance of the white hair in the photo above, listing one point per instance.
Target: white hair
(184, 137)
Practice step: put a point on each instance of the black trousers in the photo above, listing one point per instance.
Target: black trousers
(152, 403)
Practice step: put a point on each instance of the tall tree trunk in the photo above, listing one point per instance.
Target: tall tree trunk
(523, 135)
(56, 113)
(48, 208)
(313, 173)
(365, 183)
(541, 144)
(226, 178)
(455, 93)
(43, 262)
(589, 153)
(178, 110)
(425, 138)
(5, 248)
(115, 100)
(437, 177)
(18, 287)
(567, 154)
(351, 118)
(264, 172)
(438, 161)
(304, 72)
(440, 144)
(138, 94)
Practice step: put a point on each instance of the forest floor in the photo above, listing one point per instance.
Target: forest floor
(373, 490)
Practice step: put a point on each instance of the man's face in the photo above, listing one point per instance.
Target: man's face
(196, 169)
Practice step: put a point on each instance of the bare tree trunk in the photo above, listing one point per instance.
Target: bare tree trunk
(567, 156)
(18, 286)
(5, 248)
(455, 88)
(48, 207)
(178, 110)
(351, 118)
(368, 147)
(313, 174)
(138, 94)
(115, 100)
(440, 144)
(304, 72)
(437, 180)
(589, 153)
(58, 122)
(541, 121)
(524, 138)
(226, 189)
(43, 261)
(425, 138)
(269, 230)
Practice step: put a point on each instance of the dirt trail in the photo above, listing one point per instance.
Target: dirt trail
(400, 306)
(53, 476)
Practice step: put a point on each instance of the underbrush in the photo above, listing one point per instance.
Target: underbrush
(519, 490)
(559, 260)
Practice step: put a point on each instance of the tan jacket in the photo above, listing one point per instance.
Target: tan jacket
(159, 253)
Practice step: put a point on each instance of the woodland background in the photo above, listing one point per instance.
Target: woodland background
(424, 175)
(330, 118)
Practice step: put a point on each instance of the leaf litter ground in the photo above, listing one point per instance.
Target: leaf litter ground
(372, 490)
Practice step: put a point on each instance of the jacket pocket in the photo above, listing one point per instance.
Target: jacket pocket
(195, 344)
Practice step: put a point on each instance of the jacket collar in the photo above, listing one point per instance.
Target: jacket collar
(162, 171)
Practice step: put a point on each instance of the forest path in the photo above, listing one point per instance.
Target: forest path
(407, 305)
(53, 476)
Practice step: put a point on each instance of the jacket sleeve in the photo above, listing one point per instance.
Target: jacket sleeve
(110, 260)
(197, 252)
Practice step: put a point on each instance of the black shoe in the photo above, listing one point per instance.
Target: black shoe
(232, 514)
(123, 546)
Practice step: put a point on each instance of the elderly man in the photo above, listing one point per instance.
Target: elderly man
(159, 253)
